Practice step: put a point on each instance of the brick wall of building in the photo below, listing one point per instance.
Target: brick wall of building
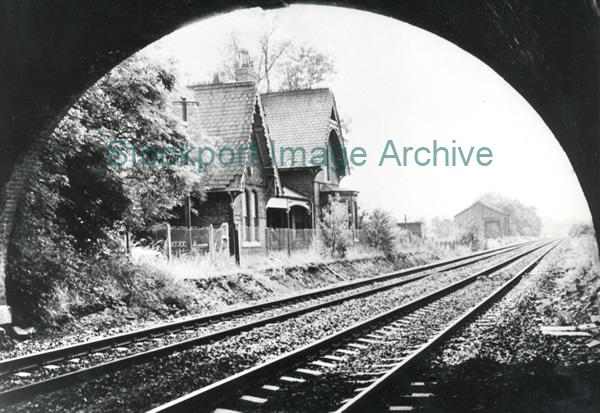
(301, 181)
(10, 197)
(257, 181)
(476, 217)
(215, 210)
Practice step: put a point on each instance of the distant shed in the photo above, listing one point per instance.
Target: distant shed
(415, 228)
(488, 221)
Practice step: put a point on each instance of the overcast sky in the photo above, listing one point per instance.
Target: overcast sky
(396, 81)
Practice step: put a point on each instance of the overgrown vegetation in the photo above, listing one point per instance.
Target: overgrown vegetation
(63, 250)
(277, 62)
(336, 235)
(579, 230)
(379, 227)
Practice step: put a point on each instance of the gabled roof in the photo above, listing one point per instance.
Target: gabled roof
(497, 210)
(299, 119)
(224, 113)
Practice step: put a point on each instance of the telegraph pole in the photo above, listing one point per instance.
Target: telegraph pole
(184, 106)
(188, 202)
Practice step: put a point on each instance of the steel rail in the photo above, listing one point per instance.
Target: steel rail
(373, 394)
(75, 350)
(18, 394)
(208, 397)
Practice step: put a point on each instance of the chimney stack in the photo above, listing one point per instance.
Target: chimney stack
(244, 73)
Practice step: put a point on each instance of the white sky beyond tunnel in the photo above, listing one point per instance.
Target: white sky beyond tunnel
(396, 81)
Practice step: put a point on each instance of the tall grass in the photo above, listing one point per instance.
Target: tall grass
(194, 265)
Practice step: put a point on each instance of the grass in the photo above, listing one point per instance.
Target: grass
(581, 280)
(149, 285)
(119, 285)
(196, 265)
(189, 266)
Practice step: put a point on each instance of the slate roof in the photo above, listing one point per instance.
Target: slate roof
(298, 118)
(223, 114)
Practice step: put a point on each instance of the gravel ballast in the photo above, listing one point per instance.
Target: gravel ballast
(511, 365)
(153, 383)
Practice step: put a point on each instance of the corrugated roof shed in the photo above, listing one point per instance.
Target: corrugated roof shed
(298, 118)
(224, 113)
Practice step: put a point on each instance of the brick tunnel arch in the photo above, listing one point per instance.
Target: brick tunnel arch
(52, 52)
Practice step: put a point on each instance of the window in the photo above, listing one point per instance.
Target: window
(248, 208)
(255, 195)
(244, 217)
(249, 213)
(327, 173)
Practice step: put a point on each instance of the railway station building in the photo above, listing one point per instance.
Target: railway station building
(265, 190)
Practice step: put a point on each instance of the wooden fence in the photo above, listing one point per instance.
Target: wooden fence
(180, 240)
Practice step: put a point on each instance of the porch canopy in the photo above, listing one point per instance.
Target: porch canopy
(289, 199)
(336, 189)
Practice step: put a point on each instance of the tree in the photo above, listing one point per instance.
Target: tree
(443, 228)
(379, 228)
(277, 62)
(579, 230)
(334, 227)
(78, 199)
(262, 58)
(305, 67)
(270, 53)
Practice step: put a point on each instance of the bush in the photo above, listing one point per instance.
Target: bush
(114, 283)
(337, 237)
(77, 201)
(579, 230)
(379, 228)
(472, 236)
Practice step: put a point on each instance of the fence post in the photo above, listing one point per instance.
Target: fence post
(169, 250)
(211, 242)
(236, 245)
(267, 241)
(188, 233)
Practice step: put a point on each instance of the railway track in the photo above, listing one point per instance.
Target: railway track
(179, 333)
(327, 362)
(402, 372)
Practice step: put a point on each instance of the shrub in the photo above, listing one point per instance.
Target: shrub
(579, 230)
(337, 237)
(77, 201)
(112, 283)
(472, 236)
(379, 228)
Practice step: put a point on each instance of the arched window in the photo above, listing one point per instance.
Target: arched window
(248, 209)
(255, 195)
(244, 212)
(335, 161)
